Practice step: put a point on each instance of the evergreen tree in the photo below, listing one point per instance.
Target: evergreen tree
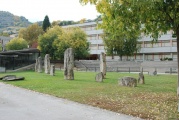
(46, 23)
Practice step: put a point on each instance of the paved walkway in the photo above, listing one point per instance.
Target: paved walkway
(21, 104)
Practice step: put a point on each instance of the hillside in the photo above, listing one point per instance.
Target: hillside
(7, 19)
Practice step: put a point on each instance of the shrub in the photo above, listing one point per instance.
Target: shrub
(16, 44)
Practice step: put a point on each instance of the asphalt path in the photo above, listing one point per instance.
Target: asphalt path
(21, 104)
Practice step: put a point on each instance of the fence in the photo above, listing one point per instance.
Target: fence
(169, 70)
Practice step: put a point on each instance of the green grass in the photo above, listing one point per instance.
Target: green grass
(157, 99)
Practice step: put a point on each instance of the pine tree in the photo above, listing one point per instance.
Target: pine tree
(46, 23)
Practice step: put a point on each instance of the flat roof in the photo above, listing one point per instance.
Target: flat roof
(82, 24)
(17, 52)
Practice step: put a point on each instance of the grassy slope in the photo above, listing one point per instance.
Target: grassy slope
(155, 100)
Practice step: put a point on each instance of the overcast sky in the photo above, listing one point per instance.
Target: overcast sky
(35, 10)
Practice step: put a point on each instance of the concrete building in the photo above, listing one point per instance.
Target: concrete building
(4, 41)
(165, 47)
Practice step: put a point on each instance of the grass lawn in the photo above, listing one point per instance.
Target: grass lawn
(157, 99)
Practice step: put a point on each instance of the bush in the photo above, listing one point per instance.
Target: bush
(16, 44)
(170, 59)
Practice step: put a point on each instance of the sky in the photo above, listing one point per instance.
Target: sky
(36, 10)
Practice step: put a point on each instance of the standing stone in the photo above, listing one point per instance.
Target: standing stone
(153, 72)
(103, 64)
(141, 78)
(47, 63)
(52, 70)
(39, 65)
(99, 77)
(36, 64)
(69, 64)
(128, 81)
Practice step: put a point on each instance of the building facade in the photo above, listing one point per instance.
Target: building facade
(165, 47)
(4, 41)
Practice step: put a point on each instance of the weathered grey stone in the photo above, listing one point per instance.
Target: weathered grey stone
(11, 78)
(52, 70)
(36, 64)
(47, 63)
(141, 78)
(99, 77)
(39, 65)
(69, 64)
(128, 81)
(153, 72)
(103, 64)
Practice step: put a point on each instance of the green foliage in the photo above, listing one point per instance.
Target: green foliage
(45, 41)
(16, 44)
(155, 100)
(56, 40)
(74, 38)
(46, 23)
(153, 18)
(31, 33)
(119, 37)
(70, 22)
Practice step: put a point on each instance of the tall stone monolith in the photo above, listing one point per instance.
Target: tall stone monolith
(39, 65)
(52, 70)
(47, 63)
(69, 64)
(36, 65)
(103, 64)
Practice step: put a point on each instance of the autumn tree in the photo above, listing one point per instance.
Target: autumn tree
(152, 17)
(56, 40)
(74, 38)
(46, 41)
(46, 23)
(120, 46)
(16, 44)
(31, 33)
(54, 23)
(82, 20)
(117, 36)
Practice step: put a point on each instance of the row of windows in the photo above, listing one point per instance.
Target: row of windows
(87, 28)
(147, 44)
(96, 47)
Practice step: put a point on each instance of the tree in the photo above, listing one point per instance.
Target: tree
(46, 23)
(31, 33)
(118, 38)
(74, 38)
(16, 44)
(120, 45)
(45, 41)
(153, 17)
(82, 20)
(54, 23)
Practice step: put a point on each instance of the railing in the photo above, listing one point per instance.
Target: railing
(169, 70)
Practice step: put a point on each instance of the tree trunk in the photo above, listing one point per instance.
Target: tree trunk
(177, 33)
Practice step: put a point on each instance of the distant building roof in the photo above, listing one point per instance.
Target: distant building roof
(24, 51)
(5, 38)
